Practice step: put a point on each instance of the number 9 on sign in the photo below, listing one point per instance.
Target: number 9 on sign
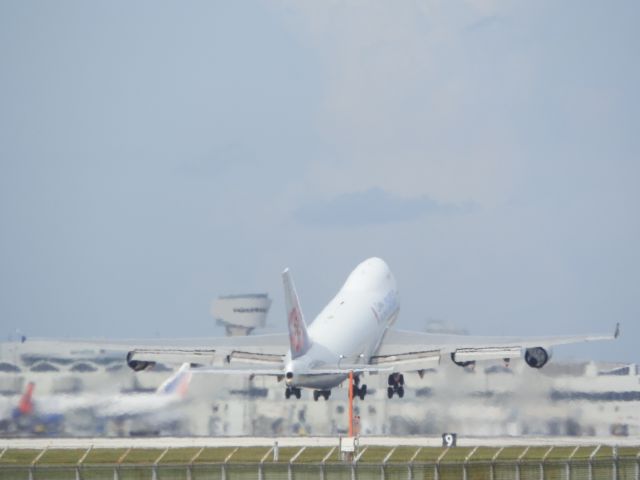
(449, 439)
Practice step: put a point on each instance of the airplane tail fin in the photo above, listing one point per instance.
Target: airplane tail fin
(178, 383)
(298, 336)
(25, 405)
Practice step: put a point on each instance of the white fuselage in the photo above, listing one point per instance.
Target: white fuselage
(350, 329)
(119, 405)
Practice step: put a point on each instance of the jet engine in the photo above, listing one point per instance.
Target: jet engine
(537, 357)
(461, 363)
(138, 365)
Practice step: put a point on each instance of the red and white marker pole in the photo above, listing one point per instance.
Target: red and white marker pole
(351, 404)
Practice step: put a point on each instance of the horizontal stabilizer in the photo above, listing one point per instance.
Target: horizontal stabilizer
(248, 370)
(344, 369)
(264, 370)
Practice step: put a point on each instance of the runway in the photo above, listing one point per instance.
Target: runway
(329, 441)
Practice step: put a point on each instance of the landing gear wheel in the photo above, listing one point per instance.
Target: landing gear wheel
(391, 381)
(363, 392)
(316, 395)
(287, 393)
(298, 393)
(390, 392)
(401, 379)
(327, 394)
(400, 392)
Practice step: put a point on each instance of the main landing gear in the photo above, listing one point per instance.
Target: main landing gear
(292, 391)
(321, 393)
(357, 390)
(396, 385)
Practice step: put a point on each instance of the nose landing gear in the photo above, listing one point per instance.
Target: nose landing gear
(396, 385)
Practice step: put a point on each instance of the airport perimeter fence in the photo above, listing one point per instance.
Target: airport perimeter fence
(472, 463)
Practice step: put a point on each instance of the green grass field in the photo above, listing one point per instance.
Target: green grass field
(13, 457)
(374, 462)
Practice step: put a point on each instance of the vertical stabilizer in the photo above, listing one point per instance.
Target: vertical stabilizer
(298, 337)
(25, 405)
(178, 383)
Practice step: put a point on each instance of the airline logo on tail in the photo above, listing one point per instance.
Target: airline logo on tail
(296, 334)
(25, 406)
(178, 383)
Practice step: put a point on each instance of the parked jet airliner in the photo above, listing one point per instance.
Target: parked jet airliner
(353, 333)
(171, 392)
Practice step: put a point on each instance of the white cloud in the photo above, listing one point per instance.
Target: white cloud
(374, 206)
(402, 108)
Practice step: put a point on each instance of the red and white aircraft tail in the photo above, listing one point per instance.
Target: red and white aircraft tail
(178, 383)
(299, 341)
(25, 405)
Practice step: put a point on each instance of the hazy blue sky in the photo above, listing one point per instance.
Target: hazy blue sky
(154, 155)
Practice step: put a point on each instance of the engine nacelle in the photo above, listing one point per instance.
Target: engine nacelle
(537, 357)
(138, 365)
(461, 363)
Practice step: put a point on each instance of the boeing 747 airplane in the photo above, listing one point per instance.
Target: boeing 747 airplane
(353, 333)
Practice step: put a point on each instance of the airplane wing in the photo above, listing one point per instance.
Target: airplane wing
(406, 350)
(279, 372)
(253, 349)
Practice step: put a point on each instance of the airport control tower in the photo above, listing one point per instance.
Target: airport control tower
(240, 314)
